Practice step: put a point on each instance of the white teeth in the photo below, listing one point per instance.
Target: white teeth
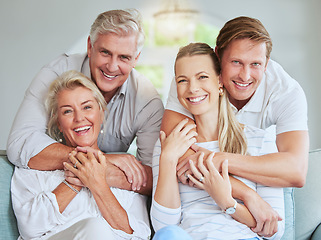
(242, 85)
(109, 76)
(197, 99)
(82, 128)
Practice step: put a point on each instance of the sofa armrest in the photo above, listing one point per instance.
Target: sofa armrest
(8, 226)
(307, 200)
(317, 233)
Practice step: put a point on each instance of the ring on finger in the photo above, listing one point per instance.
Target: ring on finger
(186, 175)
(75, 165)
(201, 179)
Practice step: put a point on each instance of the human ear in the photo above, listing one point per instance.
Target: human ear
(89, 46)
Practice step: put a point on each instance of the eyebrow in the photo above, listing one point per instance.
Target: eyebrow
(83, 103)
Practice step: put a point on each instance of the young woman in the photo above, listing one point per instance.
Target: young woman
(207, 210)
(47, 206)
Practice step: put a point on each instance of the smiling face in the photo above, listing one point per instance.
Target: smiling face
(111, 59)
(243, 64)
(197, 84)
(79, 117)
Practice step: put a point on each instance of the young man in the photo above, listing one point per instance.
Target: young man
(262, 94)
(134, 107)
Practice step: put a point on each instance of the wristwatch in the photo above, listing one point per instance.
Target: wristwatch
(231, 210)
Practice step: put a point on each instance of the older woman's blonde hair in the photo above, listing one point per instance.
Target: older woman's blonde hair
(231, 137)
(68, 80)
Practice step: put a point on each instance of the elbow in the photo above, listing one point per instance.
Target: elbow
(299, 179)
(299, 182)
(299, 174)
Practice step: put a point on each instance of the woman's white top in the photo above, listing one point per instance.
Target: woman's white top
(37, 210)
(199, 215)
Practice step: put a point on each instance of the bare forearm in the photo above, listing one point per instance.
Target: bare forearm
(50, 158)
(287, 168)
(111, 210)
(243, 215)
(147, 190)
(64, 195)
(277, 169)
(167, 192)
(241, 191)
(170, 121)
(117, 178)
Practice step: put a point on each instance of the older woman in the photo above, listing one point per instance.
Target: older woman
(47, 206)
(207, 210)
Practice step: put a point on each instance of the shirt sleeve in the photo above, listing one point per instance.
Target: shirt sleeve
(35, 207)
(272, 195)
(28, 133)
(149, 119)
(137, 220)
(173, 104)
(135, 206)
(290, 111)
(160, 215)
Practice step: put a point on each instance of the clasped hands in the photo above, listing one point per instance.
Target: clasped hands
(119, 169)
(190, 170)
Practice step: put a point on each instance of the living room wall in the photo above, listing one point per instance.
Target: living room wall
(35, 32)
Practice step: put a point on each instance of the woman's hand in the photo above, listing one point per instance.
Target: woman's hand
(178, 141)
(208, 178)
(90, 170)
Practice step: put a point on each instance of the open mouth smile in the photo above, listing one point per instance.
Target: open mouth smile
(196, 99)
(242, 84)
(82, 130)
(110, 77)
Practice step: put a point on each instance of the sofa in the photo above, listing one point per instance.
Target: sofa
(303, 214)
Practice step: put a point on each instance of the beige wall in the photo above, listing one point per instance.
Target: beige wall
(36, 31)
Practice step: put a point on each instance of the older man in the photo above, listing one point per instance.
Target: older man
(134, 106)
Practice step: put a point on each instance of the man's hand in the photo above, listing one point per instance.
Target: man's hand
(117, 166)
(183, 168)
(133, 169)
(127, 163)
(266, 217)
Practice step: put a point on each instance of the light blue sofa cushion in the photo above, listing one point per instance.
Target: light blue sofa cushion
(8, 226)
(289, 214)
(307, 200)
(317, 233)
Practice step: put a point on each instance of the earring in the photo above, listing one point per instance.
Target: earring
(101, 131)
(61, 135)
(220, 91)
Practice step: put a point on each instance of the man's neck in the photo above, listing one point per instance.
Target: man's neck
(239, 104)
(109, 95)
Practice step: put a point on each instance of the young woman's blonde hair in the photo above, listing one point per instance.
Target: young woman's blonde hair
(68, 80)
(231, 137)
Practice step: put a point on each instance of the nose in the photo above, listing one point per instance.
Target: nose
(193, 86)
(112, 64)
(245, 73)
(78, 116)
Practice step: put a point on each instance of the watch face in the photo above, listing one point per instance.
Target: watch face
(230, 210)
